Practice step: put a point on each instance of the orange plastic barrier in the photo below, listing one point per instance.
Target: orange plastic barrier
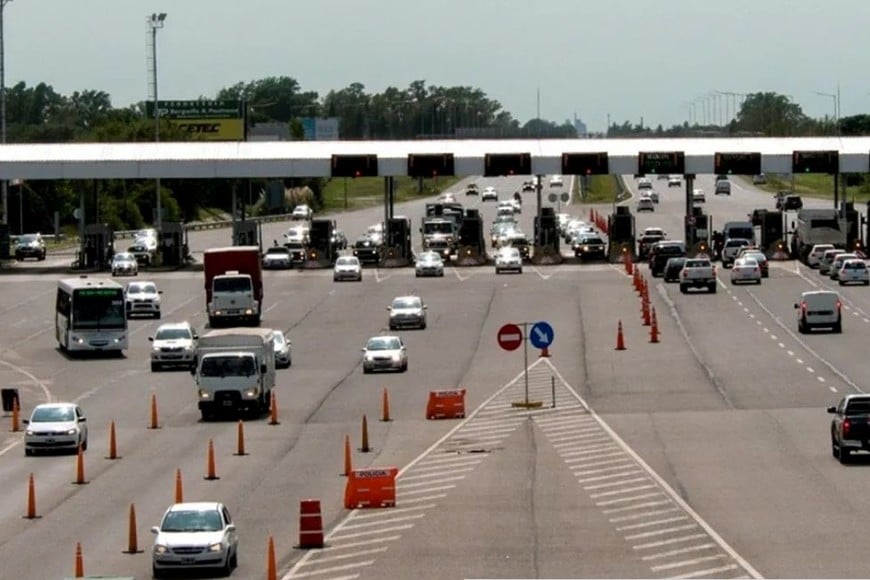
(446, 404)
(368, 488)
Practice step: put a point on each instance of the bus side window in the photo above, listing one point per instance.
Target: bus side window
(63, 303)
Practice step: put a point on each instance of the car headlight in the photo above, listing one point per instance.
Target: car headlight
(219, 547)
(155, 349)
(30, 432)
(78, 340)
(249, 310)
(204, 395)
(188, 347)
(252, 393)
(217, 312)
(396, 357)
(161, 549)
(72, 431)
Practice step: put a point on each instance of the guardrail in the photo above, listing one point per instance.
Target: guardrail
(212, 225)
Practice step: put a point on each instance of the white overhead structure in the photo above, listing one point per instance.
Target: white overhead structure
(314, 158)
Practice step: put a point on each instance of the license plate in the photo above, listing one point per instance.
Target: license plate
(228, 403)
(188, 560)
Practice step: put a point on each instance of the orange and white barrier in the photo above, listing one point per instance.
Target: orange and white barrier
(371, 488)
(446, 404)
(310, 524)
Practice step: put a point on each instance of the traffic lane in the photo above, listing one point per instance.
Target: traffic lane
(744, 351)
(819, 353)
(28, 309)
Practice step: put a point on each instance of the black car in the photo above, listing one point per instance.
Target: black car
(367, 250)
(661, 252)
(645, 243)
(588, 247)
(672, 269)
(339, 240)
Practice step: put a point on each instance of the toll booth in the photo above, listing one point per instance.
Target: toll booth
(98, 247)
(399, 237)
(621, 234)
(321, 252)
(546, 237)
(5, 242)
(853, 225)
(472, 246)
(172, 244)
(246, 233)
(772, 230)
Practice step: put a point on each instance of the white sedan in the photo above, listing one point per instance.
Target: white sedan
(854, 270)
(745, 270)
(56, 426)
(347, 268)
(556, 181)
(489, 194)
(385, 353)
(302, 212)
(698, 196)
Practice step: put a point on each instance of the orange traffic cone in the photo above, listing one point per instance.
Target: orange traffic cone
(620, 341)
(347, 464)
(132, 536)
(385, 415)
(210, 467)
(31, 499)
(654, 329)
(16, 412)
(113, 443)
(80, 467)
(154, 422)
(365, 436)
(645, 312)
(179, 489)
(241, 439)
(80, 565)
(273, 417)
(271, 566)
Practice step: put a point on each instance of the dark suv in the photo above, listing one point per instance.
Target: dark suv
(30, 246)
(661, 252)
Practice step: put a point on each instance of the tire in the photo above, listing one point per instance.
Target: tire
(683, 289)
(802, 326)
(712, 288)
(84, 444)
(392, 327)
(157, 315)
(845, 455)
(366, 370)
(28, 452)
(835, 451)
(841, 283)
(423, 326)
(404, 367)
(156, 367)
(520, 271)
(155, 573)
(838, 327)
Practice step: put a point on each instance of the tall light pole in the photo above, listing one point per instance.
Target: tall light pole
(155, 22)
(4, 184)
(835, 97)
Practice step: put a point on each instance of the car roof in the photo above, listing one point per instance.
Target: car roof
(196, 506)
(56, 405)
(169, 325)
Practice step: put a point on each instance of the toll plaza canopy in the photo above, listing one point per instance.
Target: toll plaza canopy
(468, 157)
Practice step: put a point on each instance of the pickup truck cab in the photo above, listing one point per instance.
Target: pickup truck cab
(698, 273)
(850, 427)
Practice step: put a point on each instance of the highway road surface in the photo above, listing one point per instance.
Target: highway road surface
(704, 455)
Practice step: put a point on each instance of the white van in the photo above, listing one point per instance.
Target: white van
(819, 309)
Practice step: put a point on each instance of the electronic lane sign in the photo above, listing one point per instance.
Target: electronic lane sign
(430, 165)
(737, 163)
(661, 162)
(354, 166)
(585, 164)
(815, 162)
(498, 164)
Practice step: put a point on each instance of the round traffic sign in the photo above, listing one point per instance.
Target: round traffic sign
(552, 197)
(510, 337)
(565, 197)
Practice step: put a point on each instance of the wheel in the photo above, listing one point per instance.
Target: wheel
(423, 326)
(802, 326)
(28, 452)
(404, 366)
(156, 367)
(712, 288)
(155, 573)
(758, 281)
(392, 327)
(157, 315)
(520, 271)
(841, 283)
(366, 370)
(684, 289)
(335, 278)
(845, 455)
(41, 257)
(84, 444)
(835, 451)
(417, 274)
(234, 560)
(838, 327)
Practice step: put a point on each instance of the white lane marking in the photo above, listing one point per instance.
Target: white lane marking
(707, 572)
(799, 361)
(541, 274)
(627, 499)
(268, 310)
(633, 471)
(810, 370)
(670, 553)
(634, 507)
(821, 379)
(381, 521)
(614, 483)
(644, 515)
(333, 548)
(622, 491)
(436, 474)
(339, 557)
(669, 542)
(661, 532)
(459, 276)
(833, 389)
(652, 523)
(684, 563)
(334, 569)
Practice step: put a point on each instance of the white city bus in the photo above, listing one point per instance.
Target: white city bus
(89, 315)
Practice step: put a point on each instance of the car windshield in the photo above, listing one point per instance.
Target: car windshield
(228, 366)
(124, 258)
(52, 414)
(277, 251)
(192, 521)
(430, 257)
(855, 265)
(172, 333)
(142, 288)
(383, 344)
(591, 240)
(346, 262)
(28, 239)
(407, 303)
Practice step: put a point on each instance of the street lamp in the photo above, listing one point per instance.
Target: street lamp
(835, 97)
(155, 21)
(4, 185)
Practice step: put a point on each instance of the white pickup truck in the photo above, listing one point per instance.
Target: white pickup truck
(698, 273)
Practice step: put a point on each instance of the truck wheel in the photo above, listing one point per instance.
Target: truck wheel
(802, 326)
(834, 450)
(712, 288)
(845, 455)
(838, 327)
(155, 367)
(684, 289)
(212, 322)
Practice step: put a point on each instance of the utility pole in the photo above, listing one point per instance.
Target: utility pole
(155, 21)
(4, 184)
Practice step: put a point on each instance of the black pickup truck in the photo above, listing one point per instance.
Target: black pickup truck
(850, 427)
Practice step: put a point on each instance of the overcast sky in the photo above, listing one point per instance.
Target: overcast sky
(629, 59)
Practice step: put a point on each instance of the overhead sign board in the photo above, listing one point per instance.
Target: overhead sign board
(354, 166)
(585, 164)
(661, 162)
(737, 163)
(430, 165)
(815, 162)
(207, 120)
(498, 164)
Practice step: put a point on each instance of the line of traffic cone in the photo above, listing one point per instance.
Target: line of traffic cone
(240, 445)
(385, 407)
(113, 443)
(16, 415)
(30, 514)
(347, 462)
(79, 563)
(179, 487)
(365, 436)
(155, 424)
(654, 328)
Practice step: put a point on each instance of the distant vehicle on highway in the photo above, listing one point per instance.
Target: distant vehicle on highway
(675, 180)
(429, 264)
(489, 194)
(819, 309)
(347, 268)
(723, 187)
(283, 355)
(302, 212)
(645, 203)
(124, 264)
(852, 271)
(407, 312)
(759, 179)
(508, 259)
(89, 315)
(556, 181)
(673, 267)
(698, 196)
(277, 257)
(142, 297)
(30, 246)
(193, 536)
(174, 344)
(745, 270)
(55, 426)
(471, 189)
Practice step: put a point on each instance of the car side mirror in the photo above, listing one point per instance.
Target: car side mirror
(362, 350)
(83, 419)
(832, 409)
(25, 421)
(231, 528)
(796, 305)
(155, 530)
(160, 291)
(389, 307)
(150, 339)
(195, 337)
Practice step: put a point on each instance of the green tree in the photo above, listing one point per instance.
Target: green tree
(772, 115)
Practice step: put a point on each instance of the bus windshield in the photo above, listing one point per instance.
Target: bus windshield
(100, 309)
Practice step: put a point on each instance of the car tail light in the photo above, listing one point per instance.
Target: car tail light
(847, 424)
(839, 305)
(804, 306)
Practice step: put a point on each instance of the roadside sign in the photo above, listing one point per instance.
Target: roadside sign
(552, 197)
(510, 337)
(541, 335)
(565, 196)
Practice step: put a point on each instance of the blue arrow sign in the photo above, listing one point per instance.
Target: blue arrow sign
(541, 335)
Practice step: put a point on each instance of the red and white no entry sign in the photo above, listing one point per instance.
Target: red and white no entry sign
(510, 337)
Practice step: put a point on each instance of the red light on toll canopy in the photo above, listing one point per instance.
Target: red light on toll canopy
(356, 174)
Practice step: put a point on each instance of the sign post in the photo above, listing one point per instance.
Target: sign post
(541, 335)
